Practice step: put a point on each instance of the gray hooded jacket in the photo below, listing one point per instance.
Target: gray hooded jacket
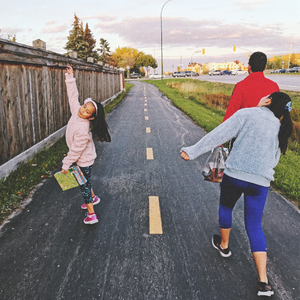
(255, 152)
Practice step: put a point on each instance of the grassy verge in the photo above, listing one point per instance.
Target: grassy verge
(17, 186)
(206, 102)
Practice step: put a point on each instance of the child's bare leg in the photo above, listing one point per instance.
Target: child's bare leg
(90, 208)
(93, 195)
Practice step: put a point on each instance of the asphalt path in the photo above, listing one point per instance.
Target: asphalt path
(47, 252)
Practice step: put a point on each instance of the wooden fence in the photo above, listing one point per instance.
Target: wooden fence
(33, 97)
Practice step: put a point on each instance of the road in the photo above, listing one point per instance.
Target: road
(47, 252)
(285, 82)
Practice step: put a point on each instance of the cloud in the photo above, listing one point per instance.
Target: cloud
(11, 30)
(55, 29)
(251, 4)
(179, 32)
(100, 18)
(51, 22)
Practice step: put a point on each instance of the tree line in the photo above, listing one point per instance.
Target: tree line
(81, 40)
(280, 62)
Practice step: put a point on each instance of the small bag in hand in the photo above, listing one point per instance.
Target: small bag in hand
(215, 165)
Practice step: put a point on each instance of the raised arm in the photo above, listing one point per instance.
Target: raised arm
(221, 134)
(72, 90)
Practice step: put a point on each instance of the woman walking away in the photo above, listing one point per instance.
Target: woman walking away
(79, 139)
(261, 134)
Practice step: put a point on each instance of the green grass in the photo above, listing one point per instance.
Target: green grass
(287, 179)
(17, 186)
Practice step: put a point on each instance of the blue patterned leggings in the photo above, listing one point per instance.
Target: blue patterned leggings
(86, 188)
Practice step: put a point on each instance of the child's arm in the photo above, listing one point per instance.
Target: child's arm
(72, 90)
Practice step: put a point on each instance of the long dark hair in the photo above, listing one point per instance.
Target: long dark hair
(278, 107)
(99, 127)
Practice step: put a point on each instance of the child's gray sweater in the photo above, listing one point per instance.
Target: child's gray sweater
(255, 152)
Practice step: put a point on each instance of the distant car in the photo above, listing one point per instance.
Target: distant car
(239, 72)
(282, 71)
(190, 73)
(295, 70)
(277, 71)
(135, 75)
(225, 72)
(156, 76)
(214, 72)
(179, 74)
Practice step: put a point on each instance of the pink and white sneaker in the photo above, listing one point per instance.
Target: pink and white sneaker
(96, 200)
(90, 219)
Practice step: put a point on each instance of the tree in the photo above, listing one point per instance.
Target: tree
(269, 65)
(81, 41)
(146, 61)
(277, 63)
(88, 37)
(125, 56)
(12, 38)
(293, 61)
(104, 51)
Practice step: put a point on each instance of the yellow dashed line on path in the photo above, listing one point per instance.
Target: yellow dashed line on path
(145, 104)
(149, 152)
(146, 118)
(155, 226)
(148, 130)
(145, 109)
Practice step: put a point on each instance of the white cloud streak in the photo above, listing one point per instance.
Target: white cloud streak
(178, 32)
(251, 4)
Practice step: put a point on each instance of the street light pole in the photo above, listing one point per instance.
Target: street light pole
(161, 42)
(192, 62)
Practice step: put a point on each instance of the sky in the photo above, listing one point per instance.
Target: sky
(188, 26)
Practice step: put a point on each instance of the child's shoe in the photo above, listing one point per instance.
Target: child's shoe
(264, 289)
(90, 219)
(96, 200)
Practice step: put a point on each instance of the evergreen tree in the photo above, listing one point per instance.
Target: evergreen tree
(104, 51)
(81, 41)
(88, 37)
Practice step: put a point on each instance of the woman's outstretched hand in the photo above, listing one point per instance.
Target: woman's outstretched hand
(184, 155)
(70, 70)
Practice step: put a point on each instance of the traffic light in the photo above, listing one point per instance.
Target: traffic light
(234, 48)
(203, 51)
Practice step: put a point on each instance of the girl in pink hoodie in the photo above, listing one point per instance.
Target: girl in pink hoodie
(79, 139)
